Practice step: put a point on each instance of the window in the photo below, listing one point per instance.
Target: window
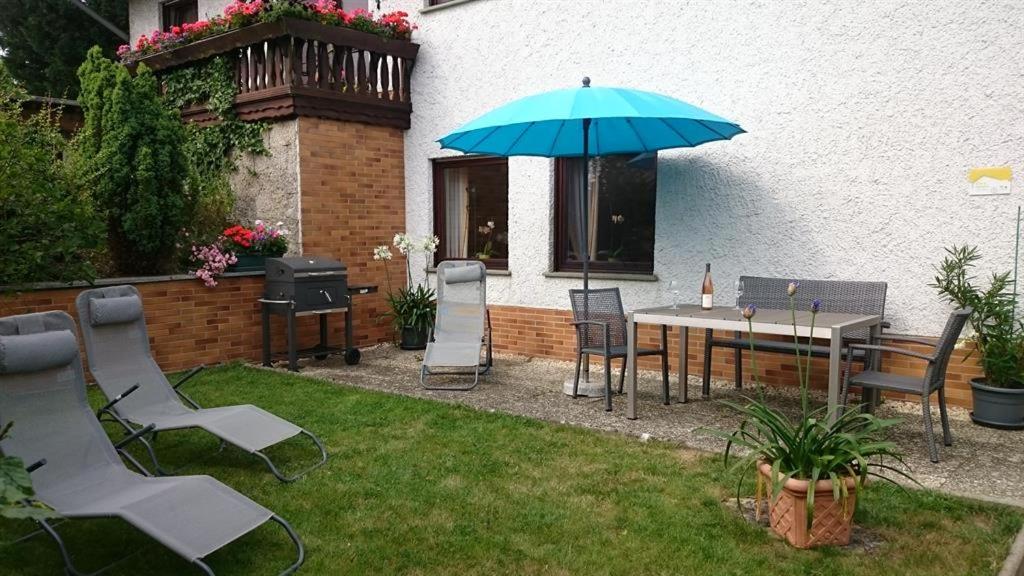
(621, 213)
(471, 210)
(177, 12)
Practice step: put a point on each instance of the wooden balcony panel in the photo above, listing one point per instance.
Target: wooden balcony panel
(301, 68)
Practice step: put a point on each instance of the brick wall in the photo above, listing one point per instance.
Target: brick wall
(188, 323)
(352, 178)
(547, 333)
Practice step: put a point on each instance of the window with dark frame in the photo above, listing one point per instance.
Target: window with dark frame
(178, 12)
(621, 213)
(471, 210)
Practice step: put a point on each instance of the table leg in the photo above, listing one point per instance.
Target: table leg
(684, 363)
(630, 367)
(835, 350)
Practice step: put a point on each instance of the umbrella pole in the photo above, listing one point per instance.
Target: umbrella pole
(586, 242)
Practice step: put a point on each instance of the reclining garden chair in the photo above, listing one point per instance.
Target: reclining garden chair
(461, 327)
(79, 473)
(119, 358)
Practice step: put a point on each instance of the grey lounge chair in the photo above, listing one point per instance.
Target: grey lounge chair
(600, 324)
(934, 379)
(462, 325)
(117, 344)
(80, 474)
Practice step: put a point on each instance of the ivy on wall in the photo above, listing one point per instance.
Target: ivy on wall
(211, 149)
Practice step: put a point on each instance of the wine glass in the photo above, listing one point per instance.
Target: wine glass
(739, 293)
(673, 289)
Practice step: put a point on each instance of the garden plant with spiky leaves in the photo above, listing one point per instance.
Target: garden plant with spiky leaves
(820, 445)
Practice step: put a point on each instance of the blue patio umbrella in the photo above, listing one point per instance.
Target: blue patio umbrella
(585, 122)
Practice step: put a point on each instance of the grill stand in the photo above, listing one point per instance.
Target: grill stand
(286, 308)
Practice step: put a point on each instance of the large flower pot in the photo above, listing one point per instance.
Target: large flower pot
(413, 338)
(787, 515)
(997, 407)
(249, 263)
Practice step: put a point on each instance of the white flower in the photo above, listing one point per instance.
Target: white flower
(404, 243)
(279, 224)
(429, 244)
(490, 223)
(382, 252)
(258, 223)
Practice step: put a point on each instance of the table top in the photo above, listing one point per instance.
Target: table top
(766, 320)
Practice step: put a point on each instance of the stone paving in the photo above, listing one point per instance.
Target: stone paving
(982, 463)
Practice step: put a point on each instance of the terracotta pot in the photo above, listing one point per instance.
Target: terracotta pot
(788, 514)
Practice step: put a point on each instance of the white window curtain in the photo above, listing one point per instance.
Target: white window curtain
(456, 215)
(574, 184)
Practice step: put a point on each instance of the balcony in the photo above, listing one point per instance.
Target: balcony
(300, 68)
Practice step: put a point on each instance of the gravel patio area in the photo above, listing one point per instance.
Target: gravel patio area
(982, 463)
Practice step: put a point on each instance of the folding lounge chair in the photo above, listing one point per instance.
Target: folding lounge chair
(79, 473)
(462, 325)
(117, 345)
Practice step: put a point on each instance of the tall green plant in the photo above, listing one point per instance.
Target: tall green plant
(998, 335)
(211, 149)
(47, 228)
(130, 155)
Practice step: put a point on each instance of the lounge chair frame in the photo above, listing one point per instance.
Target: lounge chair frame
(133, 321)
(481, 368)
(107, 413)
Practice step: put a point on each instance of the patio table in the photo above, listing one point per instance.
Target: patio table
(827, 325)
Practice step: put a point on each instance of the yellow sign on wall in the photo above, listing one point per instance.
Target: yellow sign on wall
(990, 181)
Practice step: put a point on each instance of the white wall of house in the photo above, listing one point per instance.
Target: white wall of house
(863, 121)
(144, 15)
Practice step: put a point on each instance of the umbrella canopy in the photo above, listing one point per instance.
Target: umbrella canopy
(622, 121)
(584, 122)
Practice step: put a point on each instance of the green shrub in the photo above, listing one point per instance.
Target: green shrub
(48, 228)
(130, 156)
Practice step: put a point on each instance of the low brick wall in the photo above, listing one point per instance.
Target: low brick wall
(547, 333)
(191, 324)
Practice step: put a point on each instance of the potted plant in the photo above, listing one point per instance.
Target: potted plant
(252, 246)
(997, 337)
(413, 307)
(809, 469)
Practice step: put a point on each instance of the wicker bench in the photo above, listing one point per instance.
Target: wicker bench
(849, 297)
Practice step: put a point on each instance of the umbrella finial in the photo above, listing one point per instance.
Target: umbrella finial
(586, 81)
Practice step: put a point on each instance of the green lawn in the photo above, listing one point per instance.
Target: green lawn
(419, 487)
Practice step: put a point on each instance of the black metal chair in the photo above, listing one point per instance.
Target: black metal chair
(600, 324)
(934, 379)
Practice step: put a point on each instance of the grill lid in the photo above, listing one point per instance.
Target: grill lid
(294, 267)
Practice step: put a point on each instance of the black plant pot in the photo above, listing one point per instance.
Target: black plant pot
(997, 407)
(413, 338)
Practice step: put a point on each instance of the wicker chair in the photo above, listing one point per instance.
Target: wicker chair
(600, 324)
(934, 379)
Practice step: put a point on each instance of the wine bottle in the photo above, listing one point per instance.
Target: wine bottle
(707, 289)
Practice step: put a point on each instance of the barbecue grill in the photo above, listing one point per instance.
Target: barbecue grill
(307, 285)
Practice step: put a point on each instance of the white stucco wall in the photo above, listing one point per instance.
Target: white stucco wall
(863, 120)
(144, 15)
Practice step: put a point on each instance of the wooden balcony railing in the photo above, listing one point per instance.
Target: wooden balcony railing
(301, 68)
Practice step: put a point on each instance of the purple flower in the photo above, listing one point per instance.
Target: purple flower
(749, 311)
(816, 306)
(791, 290)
